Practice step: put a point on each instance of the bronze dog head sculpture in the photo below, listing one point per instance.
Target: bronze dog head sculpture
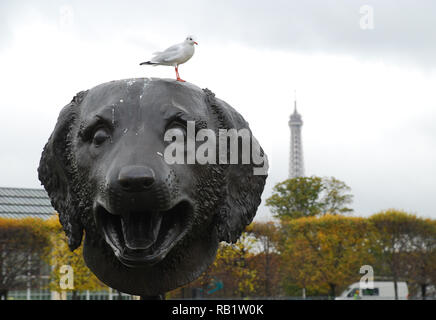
(150, 226)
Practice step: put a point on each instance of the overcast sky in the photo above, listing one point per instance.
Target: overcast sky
(365, 86)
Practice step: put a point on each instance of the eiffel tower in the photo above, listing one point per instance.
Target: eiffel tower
(296, 162)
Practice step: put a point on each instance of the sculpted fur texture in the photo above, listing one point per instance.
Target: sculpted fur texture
(149, 226)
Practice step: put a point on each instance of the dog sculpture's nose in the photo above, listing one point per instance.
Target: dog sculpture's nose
(135, 178)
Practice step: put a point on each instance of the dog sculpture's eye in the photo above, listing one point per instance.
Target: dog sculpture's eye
(100, 136)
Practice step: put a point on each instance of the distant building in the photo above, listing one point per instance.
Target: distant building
(296, 161)
(19, 203)
(23, 203)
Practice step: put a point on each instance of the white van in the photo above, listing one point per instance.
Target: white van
(383, 290)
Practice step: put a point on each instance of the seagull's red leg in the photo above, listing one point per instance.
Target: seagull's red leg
(178, 76)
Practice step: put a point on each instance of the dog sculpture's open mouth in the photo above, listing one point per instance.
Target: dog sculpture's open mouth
(143, 238)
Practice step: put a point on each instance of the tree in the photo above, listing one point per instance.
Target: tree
(430, 263)
(310, 196)
(296, 198)
(22, 245)
(407, 245)
(336, 196)
(396, 230)
(420, 262)
(231, 269)
(266, 261)
(59, 254)
(326, 252)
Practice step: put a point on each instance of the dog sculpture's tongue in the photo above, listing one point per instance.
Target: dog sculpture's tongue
(140, 229)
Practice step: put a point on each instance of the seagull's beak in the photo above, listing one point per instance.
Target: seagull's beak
(196, 43)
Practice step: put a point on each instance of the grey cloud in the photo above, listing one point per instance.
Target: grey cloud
(405, 30)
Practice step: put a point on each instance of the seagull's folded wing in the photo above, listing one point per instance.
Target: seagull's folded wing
(170, 55)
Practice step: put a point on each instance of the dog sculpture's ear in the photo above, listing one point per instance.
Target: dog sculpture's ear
(244, 183)
(55, 172)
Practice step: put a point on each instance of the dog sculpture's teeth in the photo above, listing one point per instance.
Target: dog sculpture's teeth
(113, 231)
(140, 229)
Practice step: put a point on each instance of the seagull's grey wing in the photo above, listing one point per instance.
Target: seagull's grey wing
(175, 47)
(167, 51)
(172, 54)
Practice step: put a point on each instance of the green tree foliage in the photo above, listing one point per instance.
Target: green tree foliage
(407, 246)
(325, 253)
(231, 268)
(23, 243)
(322, 254)
(420, 262)
(336, 196)
(310, 196)
(296, 198)
(266, 260)
(60, 254)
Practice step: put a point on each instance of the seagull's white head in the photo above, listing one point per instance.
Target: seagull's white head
(191, 40)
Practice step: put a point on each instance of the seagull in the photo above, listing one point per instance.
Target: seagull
(174, 55)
